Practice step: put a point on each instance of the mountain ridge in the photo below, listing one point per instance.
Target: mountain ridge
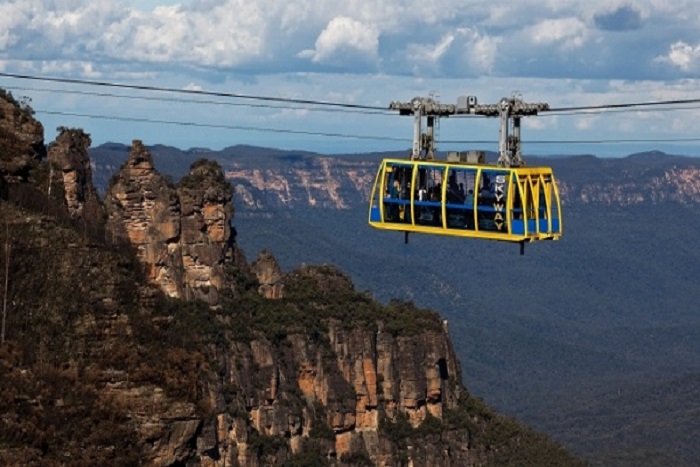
(273, 178)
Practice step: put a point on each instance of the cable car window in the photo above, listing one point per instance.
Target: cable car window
(492, 200)
(397, 194)
(554, 204)
(461, 185)
(542, 203)
(428, 199)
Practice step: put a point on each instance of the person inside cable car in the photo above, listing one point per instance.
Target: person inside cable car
(395, 190)
(469, 203)
(390, 208)
(469, 200)
(454, 195)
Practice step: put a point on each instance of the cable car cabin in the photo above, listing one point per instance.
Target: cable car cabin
(513, 204)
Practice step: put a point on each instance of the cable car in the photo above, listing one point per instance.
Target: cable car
(463, 196)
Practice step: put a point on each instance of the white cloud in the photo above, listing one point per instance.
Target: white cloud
(586, 122)
(683, 56)
(428, 55)
(484, 53)
(342, 35)
(460, 51)
(568, 33)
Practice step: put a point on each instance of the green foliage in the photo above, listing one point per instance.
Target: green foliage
(321, 430)
(398, 431)
(506, 441)
(187, 324)
(262, 445)
(310, 456)
(430, 426)
(22, 104)
(358, 310)
(203, 173)
(53, 420)
(357, 459)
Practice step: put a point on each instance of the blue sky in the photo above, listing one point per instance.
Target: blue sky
(564, 52)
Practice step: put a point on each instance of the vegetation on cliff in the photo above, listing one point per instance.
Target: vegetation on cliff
(62, 352)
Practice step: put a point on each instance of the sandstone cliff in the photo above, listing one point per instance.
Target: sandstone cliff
(182, 233)
(21, 139)
(342, 182)
(68, 157)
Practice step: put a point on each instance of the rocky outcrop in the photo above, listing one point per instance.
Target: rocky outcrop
(269, 275)
(21, 139)
(68, 156)
(182, 233)
(314, 182)
(143, 210)
(206, 241)
(360, 379)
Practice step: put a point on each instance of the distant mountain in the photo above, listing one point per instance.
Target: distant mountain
(267, 178)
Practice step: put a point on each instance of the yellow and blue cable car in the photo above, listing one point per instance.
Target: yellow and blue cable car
(464, 197)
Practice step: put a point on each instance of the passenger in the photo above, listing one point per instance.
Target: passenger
(469, 200)
(485, 195)
(406, 193)
(436, 194)
(395, 189)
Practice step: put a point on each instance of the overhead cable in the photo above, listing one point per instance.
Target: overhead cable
(223, 127)
(190, 91)
(200, 101)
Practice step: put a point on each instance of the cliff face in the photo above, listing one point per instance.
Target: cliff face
(326, 182)
(68, 156)
(283, 180)
(181, 234)
(370, 376)
(322, 376)
(650, 178)
(21, 140)
(342, 182)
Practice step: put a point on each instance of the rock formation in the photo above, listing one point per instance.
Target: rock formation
(143, 210)
(181, 234)
(206, 239)
(68, 156)
(269, 275)
(21, 139)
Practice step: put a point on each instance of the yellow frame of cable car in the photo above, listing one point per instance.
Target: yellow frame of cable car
(525, 181)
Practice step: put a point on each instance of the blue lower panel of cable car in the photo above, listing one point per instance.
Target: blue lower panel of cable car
(480, 201)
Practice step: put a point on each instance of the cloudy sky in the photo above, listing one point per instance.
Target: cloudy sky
(563, 52)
